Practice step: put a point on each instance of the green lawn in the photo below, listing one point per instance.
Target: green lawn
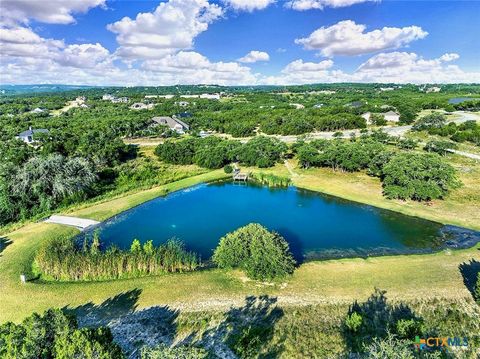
(335, 281)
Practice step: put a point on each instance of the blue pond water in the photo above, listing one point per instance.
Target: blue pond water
(315, 225)
(457, 100)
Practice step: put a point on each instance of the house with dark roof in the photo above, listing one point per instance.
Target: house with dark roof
(172, 123)
(27, 136)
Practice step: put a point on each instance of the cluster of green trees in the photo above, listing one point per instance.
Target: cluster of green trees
(261, 254)
(213, 152)
(436, 124)
(63, 259)
(404, 175)
(56, 335)
(338, 154)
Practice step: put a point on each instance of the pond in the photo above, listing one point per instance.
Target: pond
(457, 100)
(315, 225)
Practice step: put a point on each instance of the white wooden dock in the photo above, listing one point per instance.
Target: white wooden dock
(80, 223)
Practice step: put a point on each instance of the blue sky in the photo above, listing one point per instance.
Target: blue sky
(297, 41)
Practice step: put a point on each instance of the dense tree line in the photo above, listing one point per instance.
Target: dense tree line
(404, 175)
(55, 335)
(261, 254)
(63, 259)
(213, 152)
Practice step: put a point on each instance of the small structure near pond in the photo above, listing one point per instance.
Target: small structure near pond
(240, 176)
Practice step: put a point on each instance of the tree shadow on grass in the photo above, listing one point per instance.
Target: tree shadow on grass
(4, 243)
(91, 314)
(376, 318)
(470, 271)
(247, 331)
(131, 328)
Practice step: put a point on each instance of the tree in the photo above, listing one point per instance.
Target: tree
(439, 146)
(261, 254)
(377, 119)
(406, 143)
(55, 335)
(307, 155)
(262, 151)
(420, 177)
(42, 183)
(433, 120)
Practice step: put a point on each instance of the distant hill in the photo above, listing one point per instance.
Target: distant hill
(6, 90)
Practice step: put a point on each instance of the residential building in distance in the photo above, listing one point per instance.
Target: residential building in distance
(142, 106)
(208, 96)
(28, 135)
(172, 123)
(108, 97)
(391, 116)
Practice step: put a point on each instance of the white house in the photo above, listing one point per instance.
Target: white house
(142, 106)
(120, 100)
(208, 96)
(107, 97)
(37, 110)
(27, 136)
(391, 116)
(433, 89)
(318, 105)
(298, 106)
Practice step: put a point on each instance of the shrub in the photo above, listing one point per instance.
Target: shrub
(261, 254)
(420, 177)
(389, 347)
(228, 169)
(353, 321)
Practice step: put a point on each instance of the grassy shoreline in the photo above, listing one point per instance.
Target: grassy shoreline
(331, 281)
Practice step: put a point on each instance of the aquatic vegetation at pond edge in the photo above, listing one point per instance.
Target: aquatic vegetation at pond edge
(62, 259)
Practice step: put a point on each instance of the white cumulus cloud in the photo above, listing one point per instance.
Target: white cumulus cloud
(248, 5)
(255, 56)
(349, 39)
(302, 5)
(300, 66)
(47, 11)
(172, 27)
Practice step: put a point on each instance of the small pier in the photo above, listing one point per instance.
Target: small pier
(239, 176)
